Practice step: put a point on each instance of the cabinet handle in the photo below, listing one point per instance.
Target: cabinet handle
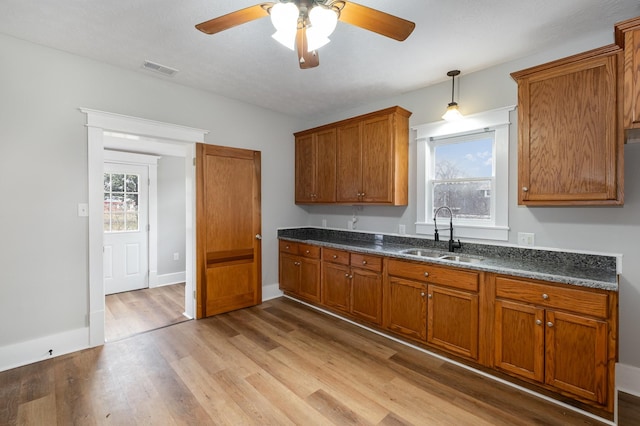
(307, 252)
(335, 256)
(549, 324)
(422, 294)
(538, 322)
(350, 277)
(545, 296)
(364, 262)
(296, 263)
(287, 247)
(525, 189)
(426, 274)
(363, 194)
(346, 275)
(430, 296)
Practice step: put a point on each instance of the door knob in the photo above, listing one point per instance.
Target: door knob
(259, 237)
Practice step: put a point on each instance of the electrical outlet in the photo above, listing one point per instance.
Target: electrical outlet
(401, 229)
(83, 209)
(526, 239)
(176, 256)
(324, 223)
(349, 224)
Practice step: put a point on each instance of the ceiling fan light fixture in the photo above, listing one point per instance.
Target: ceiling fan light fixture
(323, 20)
(452, 113)
(284, 17)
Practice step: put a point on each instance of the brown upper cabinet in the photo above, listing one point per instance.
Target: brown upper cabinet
(570, 141)
(628, 38)
(360, 160)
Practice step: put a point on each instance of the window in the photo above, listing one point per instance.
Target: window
(121, 202)
(464, 165)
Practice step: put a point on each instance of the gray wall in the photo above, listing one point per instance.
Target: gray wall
(600, 229)
(171, 214)
(43, 173)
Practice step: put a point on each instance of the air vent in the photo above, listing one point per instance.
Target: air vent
(162, 69)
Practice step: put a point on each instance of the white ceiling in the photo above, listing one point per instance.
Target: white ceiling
(357, 67)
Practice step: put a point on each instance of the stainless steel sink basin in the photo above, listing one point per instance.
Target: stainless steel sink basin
(463, 259)
(422, 253)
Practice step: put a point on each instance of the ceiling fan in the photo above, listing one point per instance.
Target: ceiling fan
(307, 24)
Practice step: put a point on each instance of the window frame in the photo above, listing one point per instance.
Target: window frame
(496, 120)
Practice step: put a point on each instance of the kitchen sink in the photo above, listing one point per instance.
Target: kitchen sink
(422, 253)
(463, 259)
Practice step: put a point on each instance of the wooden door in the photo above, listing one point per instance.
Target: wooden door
(576, 359)
(325, 182)
(406, 309)
(228, 229)
(519, 339)
(377, 155)
(305, 164)
(366, 295)
(309, 279)
(452, 320)
(336, 286)
(349, 163)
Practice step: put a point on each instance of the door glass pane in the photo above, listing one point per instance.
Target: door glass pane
(132, 183)
(121, 198)
(107, 182)
(117, 182)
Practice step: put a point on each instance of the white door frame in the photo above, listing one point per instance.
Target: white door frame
(97, 123)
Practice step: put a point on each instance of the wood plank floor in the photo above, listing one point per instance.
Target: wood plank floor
(275, 364)
(138, 311)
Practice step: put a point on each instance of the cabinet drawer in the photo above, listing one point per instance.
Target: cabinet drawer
(289, 247)
(434, 274)
(364, 261)
(335, 256)
(574, 300)
(306, 250)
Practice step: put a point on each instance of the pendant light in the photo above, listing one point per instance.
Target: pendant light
(452, 113)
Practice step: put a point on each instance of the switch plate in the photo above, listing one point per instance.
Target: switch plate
(401, 229)
(526, 239)
(176, 256)
(83, 209)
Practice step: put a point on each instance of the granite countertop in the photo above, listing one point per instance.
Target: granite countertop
(585, 270)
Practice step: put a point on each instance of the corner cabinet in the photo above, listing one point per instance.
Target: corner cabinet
(570, 141)
(361, 160)
(628, 37)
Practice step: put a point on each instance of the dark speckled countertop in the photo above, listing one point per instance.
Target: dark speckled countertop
(586, 270)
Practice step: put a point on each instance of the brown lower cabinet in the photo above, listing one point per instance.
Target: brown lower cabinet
(352, 283)
(554, 335)
(558, 337)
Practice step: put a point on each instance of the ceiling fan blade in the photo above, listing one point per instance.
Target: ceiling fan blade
(376, 21)
(233, 19)
(306, 59)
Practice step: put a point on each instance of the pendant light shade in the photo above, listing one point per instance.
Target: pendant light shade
(452, 113)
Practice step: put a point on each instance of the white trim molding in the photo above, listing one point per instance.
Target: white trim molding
(496, 120)
(99, 122)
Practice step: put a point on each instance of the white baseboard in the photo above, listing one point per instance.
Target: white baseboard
(628, 379)
(271, 291)
(31, 351)
(167, 279)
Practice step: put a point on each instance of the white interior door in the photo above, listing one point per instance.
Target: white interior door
(126, 216)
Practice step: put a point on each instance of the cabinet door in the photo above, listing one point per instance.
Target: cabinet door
(336, 286)
(325, 182)
(406, 308)
(305, 164)
(289, 273)
(576, 359)
(366, 296)
(309, 286)
(519, 339)
(570, 148)
(349, 163)
(628, 35)
(452, 321)
(377, 160)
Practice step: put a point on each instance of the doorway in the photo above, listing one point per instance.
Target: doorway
(178, 140)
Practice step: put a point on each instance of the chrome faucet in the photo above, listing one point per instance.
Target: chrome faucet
(452, 244)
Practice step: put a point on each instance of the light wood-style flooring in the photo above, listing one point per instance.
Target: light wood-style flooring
(138, 311)
(280, 363)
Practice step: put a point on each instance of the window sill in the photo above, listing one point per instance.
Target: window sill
(477, 232)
